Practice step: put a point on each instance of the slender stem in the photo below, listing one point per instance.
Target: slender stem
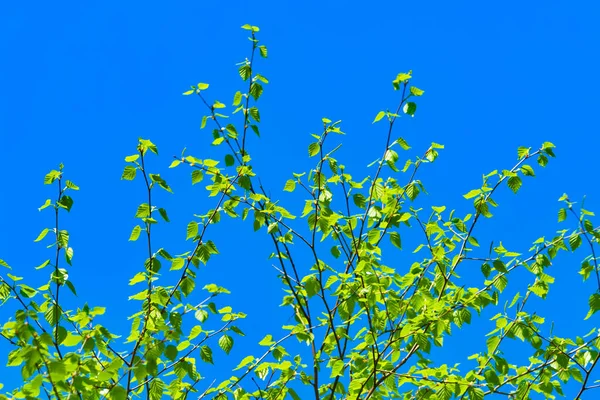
(149, 272)
(591, 244)
(57, 274)
(246, 117)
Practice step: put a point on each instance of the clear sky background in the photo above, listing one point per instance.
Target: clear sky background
(81, 81)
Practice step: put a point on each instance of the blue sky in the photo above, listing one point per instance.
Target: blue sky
(82, 81)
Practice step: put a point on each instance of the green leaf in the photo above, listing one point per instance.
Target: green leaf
(27, 291)
(527, 170)
(63, 238)
(187, 93)
(523, 152)
(201, 315)
(192, 230)
(43, 265)
(229, 160)
(562, 214)
(410, 108)
(575, 241)
(403, 143)
(226, 343)
(401, 78)
(472, 193)
(311, 284)
(157, 387)
(335, 251)
(395, 239)
(256, 90)
(255, 129)
(187, 286)
(514, 300)
(48, 203)
(42, 235)
(137, 278)
(65, 202)
(160, 182)
(273, 227)
(143, 211)
(254, 113)
(439, 209)
(416, 91)
(57, 370)
(337, 368)
(379, 116)
(129, 173)
(197, 176)
(203, 86)
(132, 158)
(475, 393)
(359, 200)
(206, 354)
(237, 98)
(232, 132)
(18, 278)
(69, 255)
(177, 264)
(514, 183)
(51, 177)
(267, 341)
(594, 303)
(314, 149)
(245, 72)
(249, 27)
(290, 185)
(135, 233)
(247, 360)
(163, 214)
(263, 51)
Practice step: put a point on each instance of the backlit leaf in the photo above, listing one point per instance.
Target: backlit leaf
(226, 343)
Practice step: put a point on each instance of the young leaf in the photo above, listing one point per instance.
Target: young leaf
(527, 170)
(263, 51)
(135, 233)
(226, 343)
(42, 235)
(562, 214)
(416, 91)
(129, 173)
(163, 214)
(395, 239)
(206, 354)
(472, 193)
(379, 116)
(594, 303)
(197, 176)
(192, 230)
(314, 149)
(514, 183)
(290, 185)
(410, 108)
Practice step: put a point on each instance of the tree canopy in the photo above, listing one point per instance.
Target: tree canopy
(370, 314)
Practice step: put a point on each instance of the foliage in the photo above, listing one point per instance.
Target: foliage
(368, 321)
